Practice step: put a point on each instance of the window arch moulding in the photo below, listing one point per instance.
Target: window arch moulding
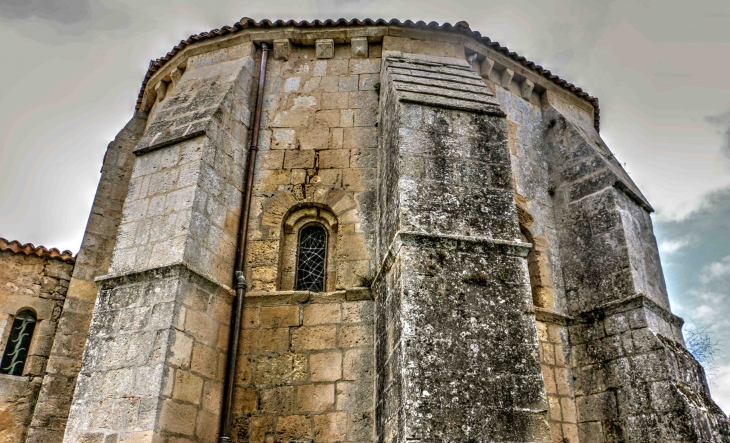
(293, 224)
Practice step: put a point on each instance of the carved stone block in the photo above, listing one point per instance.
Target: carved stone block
(359, 47)
(282, 49)
(507, 75)
(325, 48)
(487, 66)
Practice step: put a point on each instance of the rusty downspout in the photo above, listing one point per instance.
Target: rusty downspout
(240, 281)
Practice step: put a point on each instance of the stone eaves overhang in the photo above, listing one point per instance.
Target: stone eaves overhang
(16, 247)
(460, 28)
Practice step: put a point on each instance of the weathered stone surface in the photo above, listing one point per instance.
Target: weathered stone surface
(452, 293)
(325, 48)
(490, 271)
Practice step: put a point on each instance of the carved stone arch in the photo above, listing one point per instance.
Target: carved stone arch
(538, 262)
(300, 216)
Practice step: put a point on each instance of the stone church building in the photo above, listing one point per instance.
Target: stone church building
(352, 231)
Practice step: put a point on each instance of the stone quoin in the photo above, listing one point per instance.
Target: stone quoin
(440, 248)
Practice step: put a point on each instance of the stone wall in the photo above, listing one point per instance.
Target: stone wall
(306, 368)
(160, 329)
(54, 401)
(456, 348)
(317, 150)
(518, 294)
(155, 360)
(632, 375)
(38, 283)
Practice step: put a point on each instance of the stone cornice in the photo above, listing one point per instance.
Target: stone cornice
(342, 31)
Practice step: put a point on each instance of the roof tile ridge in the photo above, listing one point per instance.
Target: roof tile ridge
(460, 26)
(16, 247)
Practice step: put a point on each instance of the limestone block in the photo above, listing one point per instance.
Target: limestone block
(293, 428)
(160, 90)
(321, 313)
(325, 366)
(274, 340)
(279, 400)
(299, 159)
(330, 428)
(176, 76)
(315, 337)
(281, 369)
(359, 47)
(358, 364)
(355, 335)
(278, 316)
(506, 78)
(315, 397)
(486, 68)
(355, 395)
(320, 68)
(349, 82)
(526, 89)
(337, 67)
(364, 66)
(282, 49)
(335, 158)
(325, 48)
(283, 139)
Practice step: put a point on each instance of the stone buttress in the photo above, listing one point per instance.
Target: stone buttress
(154, 359)
(457, 351)
(490, 271)
(634, 379)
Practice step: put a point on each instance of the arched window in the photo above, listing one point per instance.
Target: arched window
(16, 350)
(311, 258)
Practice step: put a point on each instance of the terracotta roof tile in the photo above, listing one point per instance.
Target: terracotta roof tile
(460, 27)
(30, 249)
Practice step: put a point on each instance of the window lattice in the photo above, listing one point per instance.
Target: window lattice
(16, 350)
(311, 259)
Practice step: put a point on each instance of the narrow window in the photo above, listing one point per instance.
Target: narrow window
(16, 350)
(311, 259)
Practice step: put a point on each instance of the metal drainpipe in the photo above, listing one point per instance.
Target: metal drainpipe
(240, 281)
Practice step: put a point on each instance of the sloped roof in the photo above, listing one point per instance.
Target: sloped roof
(461, 27)
(16, 247)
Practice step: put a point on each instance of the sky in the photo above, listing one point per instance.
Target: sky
(71, 71)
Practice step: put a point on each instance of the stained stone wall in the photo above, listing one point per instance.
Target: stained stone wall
(453, 294)
(632, 375)
(160, 341)
(317, 150)
(28, 282)
(155, 360)
(306, 368)
(517, 293)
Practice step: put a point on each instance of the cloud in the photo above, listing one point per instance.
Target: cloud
(65, 17)
(62, 11)
(722, 122)
(672, 246)
(698, 279)
(715, 270)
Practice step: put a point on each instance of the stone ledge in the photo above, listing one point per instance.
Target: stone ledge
(270, 298)
(144, 149)
(172, 270)
(453, 242)
(442, 84)
(550, 316)
(628, 304)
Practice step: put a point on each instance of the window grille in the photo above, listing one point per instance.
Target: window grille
(311, 259)
(16, 350)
